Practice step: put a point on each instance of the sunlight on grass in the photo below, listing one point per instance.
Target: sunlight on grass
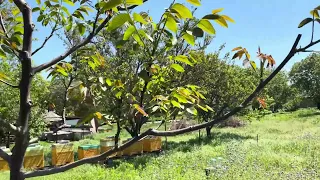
(287, 148)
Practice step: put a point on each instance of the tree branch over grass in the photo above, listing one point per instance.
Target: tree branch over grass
(64, 168)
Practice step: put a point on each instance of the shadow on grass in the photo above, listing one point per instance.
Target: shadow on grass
(183, 146)
(309, 114)
(215, 140)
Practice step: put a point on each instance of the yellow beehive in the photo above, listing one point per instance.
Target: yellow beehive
(136, 148)
(107, 144)
(34, 157)
(151, 144)
(86, 151)
(4, 166)
(62, 154)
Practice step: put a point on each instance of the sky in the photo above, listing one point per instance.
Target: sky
(270, 24)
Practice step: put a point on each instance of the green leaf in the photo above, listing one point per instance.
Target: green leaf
(137, 17)
(203, 108)
(144, 75)
(134, 2)
(119, 94)
(209, 108)
(227, 18)
(118, 21)
(119, 44)
(140, 110)
(304, 22)
(189, 38)
(111, 4)
(253, 65)
(194, 2)
(65, 10)
(6, 48)
(211, 16)
(86, 119)
(143, 33)
(184, 59)
(180, 98)
(222, 22)
(108, 81)
(81, 28)
(128, 32)
(35, 9)
(38, 2)
(177, 67)
(15, 11)
(206, 26)
(3, 76)
(69, 2)
(171, 24)
(175, 104)
(138, 40)
(314, 13)
(2, 53)
(197, 32)
(215, 11)
(192, 111)
(182, 10)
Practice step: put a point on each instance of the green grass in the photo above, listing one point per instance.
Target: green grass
(287, 148)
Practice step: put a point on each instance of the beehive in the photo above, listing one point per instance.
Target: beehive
(62, 153)
(4, 166)
(107, 144)
(86, 151)
(151, 144)
(136, 148)
(34, 157)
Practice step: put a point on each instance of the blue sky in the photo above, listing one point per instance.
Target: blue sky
(270, 24)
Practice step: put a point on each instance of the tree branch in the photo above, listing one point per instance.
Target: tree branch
(242, 105)
(5, 156)
(168, 133)
(27, 22)
(304, 49)
(12, 128)
(13, 86)
(54, 29)
(85, 161)
(74, 48)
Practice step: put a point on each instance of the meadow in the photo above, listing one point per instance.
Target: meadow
(278, 146)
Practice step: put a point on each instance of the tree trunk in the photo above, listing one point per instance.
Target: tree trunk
(22, 137)
(208, 130)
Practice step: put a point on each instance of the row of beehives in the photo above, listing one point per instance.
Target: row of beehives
(62, 153)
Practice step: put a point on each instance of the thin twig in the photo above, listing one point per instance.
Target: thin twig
(74, 48)
(11, 85)
(308, 46)
(312, 32)
(54, 29)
